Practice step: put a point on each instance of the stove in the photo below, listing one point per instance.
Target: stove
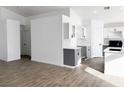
(115, 45)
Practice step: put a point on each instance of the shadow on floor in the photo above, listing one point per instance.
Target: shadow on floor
(95, 63)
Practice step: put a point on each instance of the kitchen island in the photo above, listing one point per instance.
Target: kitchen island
(114, 62)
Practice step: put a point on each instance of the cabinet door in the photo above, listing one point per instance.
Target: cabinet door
(77, 56)
(66, 30)
(84, 51)
(69, 57)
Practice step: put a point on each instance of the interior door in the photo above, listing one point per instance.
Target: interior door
(25, 42)
(97, 38)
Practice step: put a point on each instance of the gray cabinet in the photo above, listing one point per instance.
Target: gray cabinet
(83, 51)
(72, 56)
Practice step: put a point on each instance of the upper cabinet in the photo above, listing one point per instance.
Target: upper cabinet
(113, 32)
(116, 29)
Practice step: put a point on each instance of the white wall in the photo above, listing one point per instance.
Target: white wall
(10, 40)
(13, 40)
(46, 40)
(53, 13)
(60, 12)
(0, 42)
(114, 16)
(8, 14)
(75, 20)
(68, 42)
(3, 40)
(86, 41)
(4, 15)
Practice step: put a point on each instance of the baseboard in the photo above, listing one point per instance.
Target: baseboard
(46, 63)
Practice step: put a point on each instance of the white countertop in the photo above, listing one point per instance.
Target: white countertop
(109, 51)
(71, 47)
(114, 62)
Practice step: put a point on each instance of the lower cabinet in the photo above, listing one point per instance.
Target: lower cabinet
(83, 51)
(72, 57)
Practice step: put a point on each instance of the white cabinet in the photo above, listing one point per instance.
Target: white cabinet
(113, 32)
(116, 29)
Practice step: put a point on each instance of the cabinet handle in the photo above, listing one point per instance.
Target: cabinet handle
(78, 54)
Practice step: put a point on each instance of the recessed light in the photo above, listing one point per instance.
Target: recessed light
(94, 11)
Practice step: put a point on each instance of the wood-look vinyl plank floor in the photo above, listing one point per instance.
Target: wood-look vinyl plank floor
(26, 73)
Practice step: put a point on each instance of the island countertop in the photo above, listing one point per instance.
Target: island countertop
(107, 50)
(114, 62)
(71, 47)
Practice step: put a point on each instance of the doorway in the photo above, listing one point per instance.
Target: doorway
(25, 41)
(97, 38)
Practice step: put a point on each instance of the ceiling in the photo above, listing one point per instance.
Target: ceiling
(33, 10)
(115, 13)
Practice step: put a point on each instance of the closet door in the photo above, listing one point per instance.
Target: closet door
(97, 38)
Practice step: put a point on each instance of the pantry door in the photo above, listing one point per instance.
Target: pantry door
(97, 38)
